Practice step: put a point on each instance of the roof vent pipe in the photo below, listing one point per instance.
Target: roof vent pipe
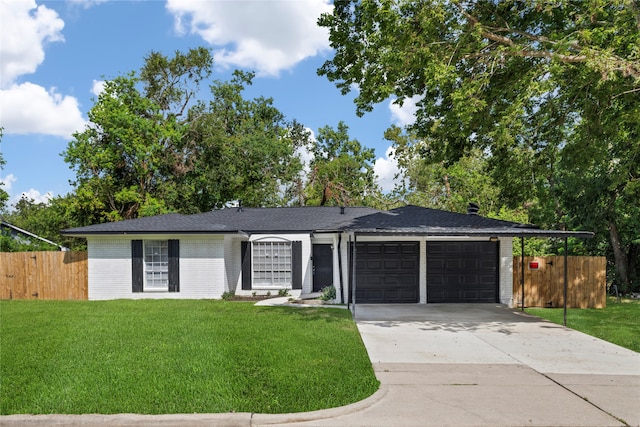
(239, 205)
(473, 209)
(341, 210)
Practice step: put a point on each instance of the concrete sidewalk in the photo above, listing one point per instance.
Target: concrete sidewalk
(455, 365)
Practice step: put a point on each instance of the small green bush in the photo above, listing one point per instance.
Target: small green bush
(283, 293)
(328, 293)
(228, 296)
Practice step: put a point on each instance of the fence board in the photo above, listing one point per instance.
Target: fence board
(587, 287)
(43, 275)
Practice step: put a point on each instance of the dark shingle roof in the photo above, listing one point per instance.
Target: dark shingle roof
(417, 220)
(232, 220)
(405, 220)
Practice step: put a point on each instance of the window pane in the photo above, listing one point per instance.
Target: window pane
(272, 264)
(156, 257)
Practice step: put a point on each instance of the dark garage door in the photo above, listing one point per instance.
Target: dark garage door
(387, 272)
(462, 271)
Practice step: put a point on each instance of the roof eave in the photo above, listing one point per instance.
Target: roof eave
(474, 232)
(149, 232)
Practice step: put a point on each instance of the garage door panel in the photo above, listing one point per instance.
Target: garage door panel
(435, 264)
(391, 249)
(389, 280)
(488, 264)
(391, 264)
(462, 271)
(371, 280)
(373, 264)
(453, 264)
(408, 265)
(387, 272)
(372, 250)
(409, 249)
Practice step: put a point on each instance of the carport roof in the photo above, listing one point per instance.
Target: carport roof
(407, 220)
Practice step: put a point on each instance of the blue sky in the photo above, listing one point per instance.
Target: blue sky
(55, 54)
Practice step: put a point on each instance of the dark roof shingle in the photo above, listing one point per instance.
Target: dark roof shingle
(404, 220)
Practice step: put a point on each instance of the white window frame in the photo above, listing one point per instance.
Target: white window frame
(156, 265)
(272, 264)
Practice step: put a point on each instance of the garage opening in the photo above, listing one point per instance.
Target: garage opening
(462, 272)
(387, 272)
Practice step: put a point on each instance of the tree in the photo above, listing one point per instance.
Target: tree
(153, 147)
(545, 88)
(239, 149)
(341, 171)
(438, 185)
(44, 219)
(4, 196)
(121, 159)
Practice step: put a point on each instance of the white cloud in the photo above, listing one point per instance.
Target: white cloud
(266, 36)
(24, 29)
(406, 114)
(25, 108)
(98, 87)
(7, 182)
(28, 108)
(85, 4)
(31, 194)
(34, 195)
(386, 168)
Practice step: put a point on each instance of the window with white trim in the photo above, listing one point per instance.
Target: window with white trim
(156, 265)
(272, 265)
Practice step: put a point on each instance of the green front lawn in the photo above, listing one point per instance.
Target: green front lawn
(172, 356)
(619, 323)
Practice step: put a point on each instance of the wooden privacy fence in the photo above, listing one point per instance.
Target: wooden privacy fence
(544, 287)
(43, 275)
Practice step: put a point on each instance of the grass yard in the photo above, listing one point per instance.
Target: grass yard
(619, 323)
(173, 356)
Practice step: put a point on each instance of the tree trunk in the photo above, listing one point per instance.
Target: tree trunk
(634, 266)
(620, 257)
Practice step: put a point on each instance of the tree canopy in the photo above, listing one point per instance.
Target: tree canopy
(341, 171)
(4, 196)
(152, 146)
(547, 90)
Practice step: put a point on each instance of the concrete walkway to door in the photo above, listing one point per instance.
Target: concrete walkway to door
(488, 365)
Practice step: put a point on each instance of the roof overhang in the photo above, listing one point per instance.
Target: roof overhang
(483, 232)
(149, 232)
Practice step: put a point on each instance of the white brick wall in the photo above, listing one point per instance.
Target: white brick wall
(109, 268)
(202, 273)
(201, 269)
(506, 271)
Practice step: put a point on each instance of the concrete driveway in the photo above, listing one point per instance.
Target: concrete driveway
(488, 365)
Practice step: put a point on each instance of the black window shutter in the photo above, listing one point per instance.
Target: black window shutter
(246, 265)
(296, 265)
(174, 265)
(137, 266)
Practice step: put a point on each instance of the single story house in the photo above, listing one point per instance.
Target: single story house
(406, 255)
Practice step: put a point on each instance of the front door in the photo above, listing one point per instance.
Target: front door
(322, 267)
